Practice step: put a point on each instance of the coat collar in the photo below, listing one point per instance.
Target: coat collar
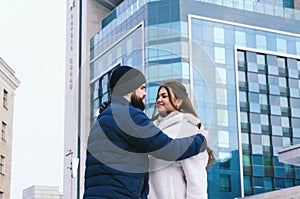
(176, 117)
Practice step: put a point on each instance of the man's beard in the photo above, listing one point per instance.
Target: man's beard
(137, 102)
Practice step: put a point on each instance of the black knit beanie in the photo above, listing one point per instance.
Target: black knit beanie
(125, 79)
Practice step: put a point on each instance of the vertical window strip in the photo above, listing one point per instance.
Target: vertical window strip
(5, 99)
(2, 164)
(3, 131)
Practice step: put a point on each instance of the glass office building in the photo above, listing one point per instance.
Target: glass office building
(239, 60)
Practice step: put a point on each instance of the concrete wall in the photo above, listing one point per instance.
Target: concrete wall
(41, 192)
(92, 13)
(9, 83)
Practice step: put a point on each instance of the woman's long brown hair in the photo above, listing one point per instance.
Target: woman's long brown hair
(179, 92)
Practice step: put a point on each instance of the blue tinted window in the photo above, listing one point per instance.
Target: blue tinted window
(279, 172)
(163, 19)
(225, 183)
(152, 93)
(104, 98)
(281, 45)
(258, 181)
(261, 41)
(176, 27)
(246, 160)
(277, 163)
(254, 97)
(258, 190)
(175, 9)
(279, 183)
(258, 171)
(289, 183)
(268, 183)
(288, 3)
(267, 161)
(248, 185)
(240, 38)
(175, 18)
(163, 11)
(297, 172)
(257, 159)
(109, 18)
(257, 149)
(152, 12)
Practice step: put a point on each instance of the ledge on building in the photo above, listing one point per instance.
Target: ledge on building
(290, 155)
(286, 193)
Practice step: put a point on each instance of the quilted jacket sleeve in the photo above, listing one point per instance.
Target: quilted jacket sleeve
(148, 138)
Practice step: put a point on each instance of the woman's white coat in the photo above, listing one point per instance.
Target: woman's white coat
(186, 179)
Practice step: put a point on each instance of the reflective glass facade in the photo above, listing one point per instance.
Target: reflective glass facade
(270, 85)
(241, 69)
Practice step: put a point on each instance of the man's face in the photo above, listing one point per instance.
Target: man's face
(138, 97)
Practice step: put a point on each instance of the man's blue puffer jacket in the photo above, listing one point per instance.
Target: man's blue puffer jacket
(119, 143)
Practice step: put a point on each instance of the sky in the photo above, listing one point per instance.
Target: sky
(32, 43)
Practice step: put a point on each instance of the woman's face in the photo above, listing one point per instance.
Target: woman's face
(163, 102)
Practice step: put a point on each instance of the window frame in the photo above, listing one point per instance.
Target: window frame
(2, 164)
(5, 99)
(3, 131)
(225, 183)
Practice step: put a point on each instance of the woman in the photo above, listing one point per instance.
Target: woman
(187, 178)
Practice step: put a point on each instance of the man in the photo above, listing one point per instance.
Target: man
(121, 139)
